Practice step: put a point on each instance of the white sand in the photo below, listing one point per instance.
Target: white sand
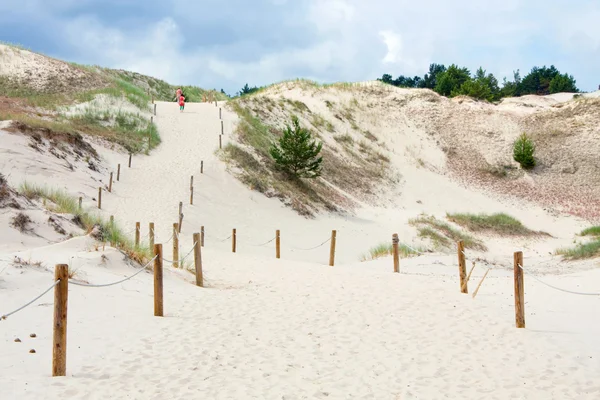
(292, 328)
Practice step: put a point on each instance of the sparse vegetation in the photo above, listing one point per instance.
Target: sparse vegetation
(591, 231)
(581, 251)
(442, 234)
(345, 138)
(523, 151)
(499, 223)
(21, 222)
(103, 231)
(386, 249)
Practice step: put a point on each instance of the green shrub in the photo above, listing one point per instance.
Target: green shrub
(297, 153)
(523, 151)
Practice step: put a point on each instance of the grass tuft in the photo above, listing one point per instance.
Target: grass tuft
(442, 234)
(581, 251)
(386, 249)
(591, 231)
(499, 223)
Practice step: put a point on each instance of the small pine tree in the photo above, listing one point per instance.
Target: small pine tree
(523, 150)
(297, 153)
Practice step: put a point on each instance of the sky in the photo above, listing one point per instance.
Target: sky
(227, 43)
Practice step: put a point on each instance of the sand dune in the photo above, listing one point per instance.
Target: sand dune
(291, 328)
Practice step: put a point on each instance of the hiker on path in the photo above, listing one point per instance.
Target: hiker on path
(181, 103)
(178, 94)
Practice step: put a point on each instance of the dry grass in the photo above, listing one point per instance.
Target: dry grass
(499, 223)
(443, 235)
(21, 222)
(581, 251)
(386, 249)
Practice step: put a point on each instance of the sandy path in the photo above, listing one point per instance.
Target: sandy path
(273, 330)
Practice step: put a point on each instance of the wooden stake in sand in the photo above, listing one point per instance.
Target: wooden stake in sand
(480, 282)
(100, 198)
(470, 272)
(202, 236)
(175, 245)
(110, 179)
(59, 337)
(137, 234)
(192, 190)
(129, 160)
(198, 260)
(233, 241)
(158, 281)
(332, 249)
(118, 172)
(395, 242)
(154, 108)
(462, 267)
(519, 290)
(220, 142)
(151, 234)
(201, 167)
(80, 200)
(277, 244)
(222, 131)
(220, 113)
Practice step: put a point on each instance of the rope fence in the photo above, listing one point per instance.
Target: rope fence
(114, 283)
(555, 287)
(4, 316)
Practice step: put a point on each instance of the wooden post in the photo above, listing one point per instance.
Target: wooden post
(151, 234)
(80, 200)
(202, 236)
(158, 281)
(332, 249)
(220, 113)
(152, 99)
(192, 190)
(175, 245)
(110, 183)
(118, 172)
(112, 219)
(395, 241)
(220, 144)
(100, 198)
(129, 160)
(137, 234)
(59, 342)
(277, 244)
(202, 167)
(154, 108)
(222, 131)
(151, 119)
(198, 260)
(519, 290)
(462, 267)
(233, 241)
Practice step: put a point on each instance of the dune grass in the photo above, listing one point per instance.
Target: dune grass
(386, 249)
(581, 251)
(591, 231)
(252, 131)
(63, 203)
(499, 223)
(442, 234)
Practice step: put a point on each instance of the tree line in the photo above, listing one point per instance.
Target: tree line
(455, 81)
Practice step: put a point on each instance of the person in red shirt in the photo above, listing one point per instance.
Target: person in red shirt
(181, 103)
(178, 94)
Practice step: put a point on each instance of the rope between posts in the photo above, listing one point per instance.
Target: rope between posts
(183, 259)
(114, 283)
(312, 248)
(264, 244)
(557, 288)
(4, 316)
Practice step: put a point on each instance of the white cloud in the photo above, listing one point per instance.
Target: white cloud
(393, 41)
(226, 44)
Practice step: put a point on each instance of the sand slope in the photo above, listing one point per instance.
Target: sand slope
(293, 328)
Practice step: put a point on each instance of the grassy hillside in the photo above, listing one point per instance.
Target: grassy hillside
(46, 94)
